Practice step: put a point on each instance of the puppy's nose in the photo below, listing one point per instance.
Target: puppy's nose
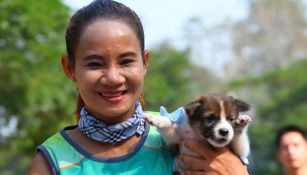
(223, 131)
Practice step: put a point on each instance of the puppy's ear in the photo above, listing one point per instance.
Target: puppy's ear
(190, 109)
(241, 105)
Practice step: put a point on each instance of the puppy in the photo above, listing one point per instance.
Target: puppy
(212, 119)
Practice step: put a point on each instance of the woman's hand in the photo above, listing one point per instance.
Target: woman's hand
(211, 162)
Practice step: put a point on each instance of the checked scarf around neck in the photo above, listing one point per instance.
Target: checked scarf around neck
(97, 130)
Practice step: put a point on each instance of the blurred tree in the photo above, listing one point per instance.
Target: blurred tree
(33, 91)
(270, 45)
(208, 46)
(173, 80)
(283, 102)
(168, 81)
(273, 36)
(268, 52)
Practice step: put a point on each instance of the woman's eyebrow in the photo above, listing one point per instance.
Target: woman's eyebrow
(128, 53)
(92, 57)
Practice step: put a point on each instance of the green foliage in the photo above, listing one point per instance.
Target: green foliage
(168, 79)
(33, 89)
(286, 100)
(173, 81)
(272, 36)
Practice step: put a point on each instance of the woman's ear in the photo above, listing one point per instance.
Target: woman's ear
(146, 60)
(68, 67)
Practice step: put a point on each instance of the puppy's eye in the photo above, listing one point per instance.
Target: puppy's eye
(230, 119)
(211, 118)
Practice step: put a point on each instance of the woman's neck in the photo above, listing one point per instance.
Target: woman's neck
(105, 150)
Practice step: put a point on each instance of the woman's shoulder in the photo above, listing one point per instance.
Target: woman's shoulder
(60, 138)
(39, 165)
(56, 147)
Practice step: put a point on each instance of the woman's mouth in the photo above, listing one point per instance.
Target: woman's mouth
(113, 97)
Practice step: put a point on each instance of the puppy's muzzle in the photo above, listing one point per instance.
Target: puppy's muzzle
(223, 132)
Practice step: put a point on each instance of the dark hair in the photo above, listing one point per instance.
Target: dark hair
(286, 129)
(100, 9)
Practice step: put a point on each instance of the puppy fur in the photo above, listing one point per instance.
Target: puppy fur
(212, 119)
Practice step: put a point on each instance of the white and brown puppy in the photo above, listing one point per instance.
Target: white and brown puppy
(213, 119)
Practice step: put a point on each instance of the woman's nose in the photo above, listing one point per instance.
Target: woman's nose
(113, 76)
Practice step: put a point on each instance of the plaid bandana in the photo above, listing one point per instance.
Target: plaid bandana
(99, 131)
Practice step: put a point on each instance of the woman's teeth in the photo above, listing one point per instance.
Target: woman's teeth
(111, 94)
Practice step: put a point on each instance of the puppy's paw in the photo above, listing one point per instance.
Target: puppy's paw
(158, 121)
(241, 122)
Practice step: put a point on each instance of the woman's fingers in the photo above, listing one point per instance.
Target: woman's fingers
(193, 163)
(211, 161)
(196, 165)
(188, 172)
(204, 151)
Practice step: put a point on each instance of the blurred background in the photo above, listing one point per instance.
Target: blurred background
(255, 50)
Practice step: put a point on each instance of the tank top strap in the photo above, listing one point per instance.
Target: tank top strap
(65, 158)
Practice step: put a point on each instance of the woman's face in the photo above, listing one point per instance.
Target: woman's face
(109, 69)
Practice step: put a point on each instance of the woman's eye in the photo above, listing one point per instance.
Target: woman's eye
(126, 61)
(94, 65)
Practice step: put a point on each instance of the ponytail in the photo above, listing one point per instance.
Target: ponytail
(80, 105)
(142, 101)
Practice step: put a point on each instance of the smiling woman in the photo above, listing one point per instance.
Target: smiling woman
(107, 61)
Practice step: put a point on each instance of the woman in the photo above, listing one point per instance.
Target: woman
(107, 61)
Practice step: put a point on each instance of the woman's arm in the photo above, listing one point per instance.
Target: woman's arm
(213, 162)
(39, 166)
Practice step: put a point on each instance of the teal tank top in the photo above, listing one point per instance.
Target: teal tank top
(151, 156)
